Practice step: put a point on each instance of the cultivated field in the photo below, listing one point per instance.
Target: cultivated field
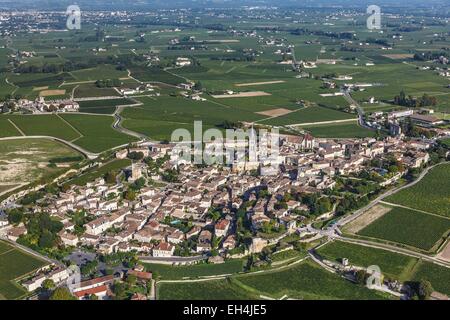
(97, 133)
(412, 228)
(366, 219)
(92, 132)
(205, 290)
(15, 264)
(49, 93)
(391, 264)
(103, 106)
(338, 130)
(305, 281)
(249, 94)
(195, 271)
(431, 194)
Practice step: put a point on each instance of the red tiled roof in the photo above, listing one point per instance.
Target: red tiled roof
(88, 292)
(140, 274)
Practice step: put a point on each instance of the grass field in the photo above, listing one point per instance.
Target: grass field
(14, 264)
(205, 290)
(305, 281)
(408, 227)
(195, 271)
(431, 194)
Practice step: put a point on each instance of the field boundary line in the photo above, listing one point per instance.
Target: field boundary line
(412, 209)
(75, 129)
(311, 124)
(12, 249)
(18, 129)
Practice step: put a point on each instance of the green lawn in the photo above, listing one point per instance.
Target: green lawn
(408, 227)
(195, 271)
(306, 281)
(431, 194)
(14, 264)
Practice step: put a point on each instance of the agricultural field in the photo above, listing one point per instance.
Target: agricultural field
(91, 132)
(15, 264)
(43, 125)
(103, 106)
(431, 194)
(92, 91)
(98, 172)
(413, 228)
(338, 130)
(308, 116)
(205, 290)
(97, 132)
(195, 271)
(305, 281)
(28, 160)
(7, 129)
(438, 276)
(392, 264)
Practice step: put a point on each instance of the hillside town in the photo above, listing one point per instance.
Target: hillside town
(144, 209)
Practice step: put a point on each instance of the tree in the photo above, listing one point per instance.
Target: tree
(15, 216)
(361, 277)
(130, 195)
(111, 177)
(131, 279)
(137, 156)
(424, 290)
(61, 293)
(48, 284)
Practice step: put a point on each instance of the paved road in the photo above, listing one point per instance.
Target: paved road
(117, 125)
(361, 113)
